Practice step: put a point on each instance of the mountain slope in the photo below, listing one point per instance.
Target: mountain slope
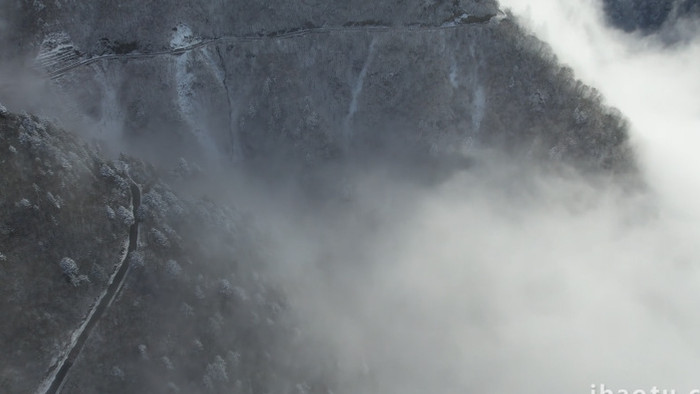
(193, 309)
(125, 277)
(312, 82)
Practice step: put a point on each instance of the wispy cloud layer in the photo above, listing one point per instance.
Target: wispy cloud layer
(506, 279)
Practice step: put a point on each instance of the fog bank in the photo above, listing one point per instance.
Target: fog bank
(510, 277)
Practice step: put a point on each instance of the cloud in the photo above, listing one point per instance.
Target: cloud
(492, 283)
(655, 85)
(508, 278)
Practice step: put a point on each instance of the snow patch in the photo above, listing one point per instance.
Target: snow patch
(500, 16)
(56, 201)
(56, 51)
(110, 212)
(182, 37)
(23, 203)
(458, 20)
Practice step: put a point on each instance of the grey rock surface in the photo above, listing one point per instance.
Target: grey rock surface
(316, 81)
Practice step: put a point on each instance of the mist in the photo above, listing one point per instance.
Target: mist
(502, 273)
(511, 276)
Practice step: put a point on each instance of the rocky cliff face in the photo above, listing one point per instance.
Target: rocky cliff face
(118, 282)
(318, 81)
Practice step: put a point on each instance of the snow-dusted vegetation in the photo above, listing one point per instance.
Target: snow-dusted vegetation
(315, 197)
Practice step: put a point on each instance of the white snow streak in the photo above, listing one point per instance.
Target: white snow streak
(357, 90)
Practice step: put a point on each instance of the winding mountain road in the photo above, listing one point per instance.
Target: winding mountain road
(58, 372)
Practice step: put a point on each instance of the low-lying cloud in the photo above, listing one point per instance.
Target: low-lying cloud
(508, 278)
